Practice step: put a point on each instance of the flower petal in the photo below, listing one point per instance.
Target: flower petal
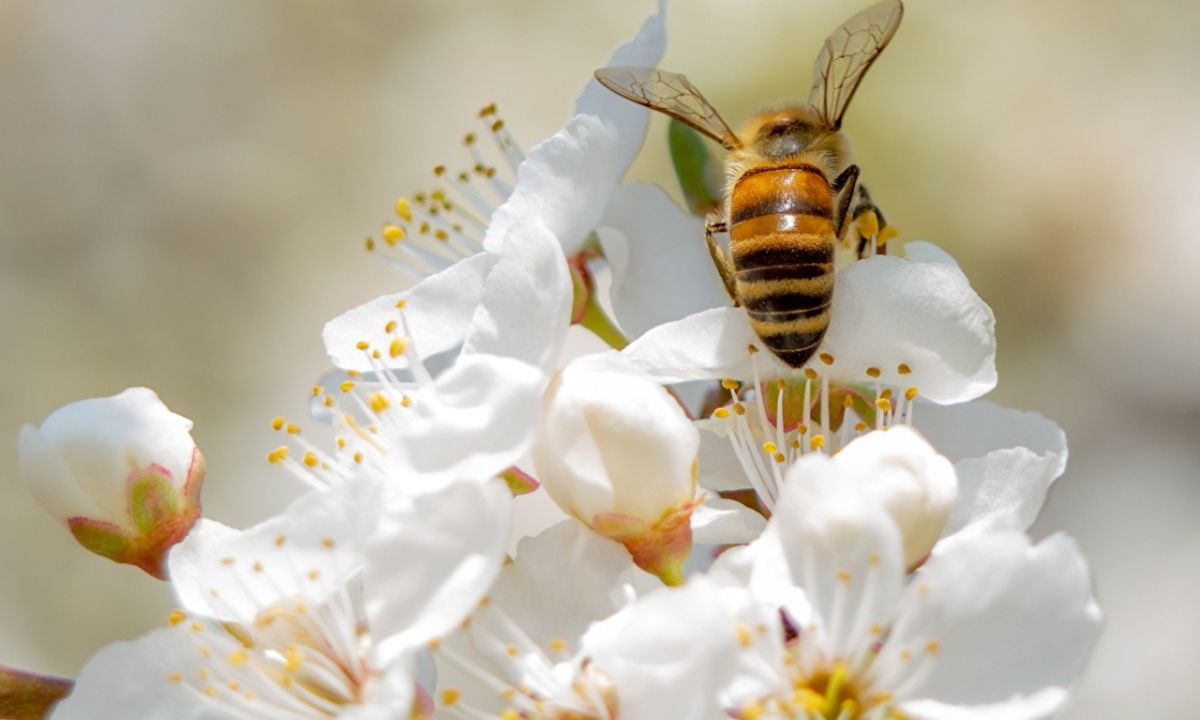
(475, 420)
(1041, 705)
(431, 560)
(720, 469)
(661, 241)
(888, 312)
(187, 563)
(1005, 459)
(630, 120)
(566, 180)
(560, 583)
(990, 619)
(439, 309)
(719, 521)
(526, 302)
(709, 345)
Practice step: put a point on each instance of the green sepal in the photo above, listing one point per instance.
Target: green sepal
(700, 175)
(104, 539)
(153, 499)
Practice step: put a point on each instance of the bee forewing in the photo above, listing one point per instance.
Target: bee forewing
(846, 56)
(668, 93)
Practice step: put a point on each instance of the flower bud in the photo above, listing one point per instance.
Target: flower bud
(121, 472)
(916, 486)
(616, 451)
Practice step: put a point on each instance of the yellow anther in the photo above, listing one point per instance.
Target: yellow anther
(327, 543)
(328, 401)
(910, 394)
(227, 561)
(826, 358)
(469, 139)
(739, 408)
(401, 304)
(489, 109)
(375, 354)
(752, 349)
(393, 234)
(796, 444)
(752, 711)
(175, 678)
(237, 658)
(721, 413)
(903, 369)
(277, 423)
(442, 235)
(346, 386)
(817, 442)
(769, 448)
(419, 198)
(439, 170)
(557, 645)
(843, 576)
(860, 426)
(314, 575)
(886, 394)
(423, 228)
(780, 384)
(876, 629)
(379, 402)
(873, 372)
(211, 691)
(885, 235)
(353, 373)
(497, 126)
(729, 384)
(438, 196)
(932, 647)
(397, 348)
(450, 696)
(780, 458)
(801, 429)
(810, 373)
(874, 560)
(884, 404)
(317, 390)
(280, 540)
(369, 244)
(510, 714)
(745, 636)
(358, 458)
(362, 344)
(176, 618)
(405, 401)
(292, 429)
(277, 455)
(310, 459)
(868, 224)
(294, 657)
(390, 327)
(512, 651)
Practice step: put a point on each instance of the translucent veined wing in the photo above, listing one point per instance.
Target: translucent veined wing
(668, 93)
(847, 55)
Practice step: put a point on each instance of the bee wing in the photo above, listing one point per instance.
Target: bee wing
(847, 55)
(668, 93)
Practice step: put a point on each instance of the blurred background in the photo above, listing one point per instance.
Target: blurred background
(186, 188)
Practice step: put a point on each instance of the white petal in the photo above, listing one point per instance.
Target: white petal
(915, 484)
(720, 469)
(840, 547)
(927, 252)
(1041, 705)
(1005, 461)
(533, 513)
(52, 483)
(725, 522)
(526, 306)
(888, 311)
(392, 694)
(565, 180)
(709, 345)
(1007, 618)
(439, 309)
(670, 655)
(629, 119)
(661, 241)
(308, 552)
(431, 561)
(560, 583)
(473, 422)
(130, 680)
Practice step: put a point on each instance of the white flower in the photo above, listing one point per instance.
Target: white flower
(990, 627)
(317, 613)
(121, 472)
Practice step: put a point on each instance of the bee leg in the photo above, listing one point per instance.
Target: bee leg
(870, 223)
(721, 259)
(843, 187)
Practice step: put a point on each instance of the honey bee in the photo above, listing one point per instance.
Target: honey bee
(790, 185)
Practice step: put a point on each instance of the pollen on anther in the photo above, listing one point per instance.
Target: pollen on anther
(810, 374)
(277, 423)
(512, 651)
(826, 358)
(745, 636)
(397, 348)
(873, 372)
(739, 408)
(362, 345)
(721, 413)
(817, 442)
(860, 426)
(175, 678)
(769, 448)
(401, 304)
(903, 369)
(237, 658)
(346, 386)
(393, 234)
(780, 458)
(932, 647)
(176, 617)
(557, 645)
(884, 404)
(379, 402)
(390, 327)
(277, 455)
(404, 209)
(910, 394)
(292, 429)
(369, 244)
(843, 576)
(729, 384)
(317, 390)
(310, 459)
(450, 696)
(358, 458)
(314, 575)
(280, 540)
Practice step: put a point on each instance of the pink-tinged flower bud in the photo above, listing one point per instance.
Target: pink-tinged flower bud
(121, 472)
(616, 451)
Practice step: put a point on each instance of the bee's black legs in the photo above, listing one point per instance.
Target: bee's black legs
(843, 187)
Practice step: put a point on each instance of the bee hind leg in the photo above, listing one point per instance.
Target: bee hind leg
(873, 230)
(843, 187)
(720, 257)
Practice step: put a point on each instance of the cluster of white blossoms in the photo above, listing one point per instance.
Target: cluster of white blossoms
(510, 525)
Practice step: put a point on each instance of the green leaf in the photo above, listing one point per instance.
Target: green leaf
(699, 174)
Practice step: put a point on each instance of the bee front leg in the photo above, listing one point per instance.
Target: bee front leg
(721, 259)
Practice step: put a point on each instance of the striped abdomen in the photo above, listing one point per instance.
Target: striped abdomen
(781, 238)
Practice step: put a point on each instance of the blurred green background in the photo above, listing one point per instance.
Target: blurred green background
(186, 186)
